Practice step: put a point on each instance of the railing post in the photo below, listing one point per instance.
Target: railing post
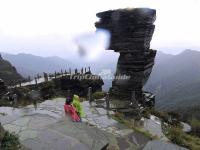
(70, 71)
(20, 84)
(134, 102)
(45, 77)
(107, 101)
(55, 74)
(90, 94)
(61, 73)
(36, 80)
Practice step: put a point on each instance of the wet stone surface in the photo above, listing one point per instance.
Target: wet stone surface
(153, 125)
(46, 127)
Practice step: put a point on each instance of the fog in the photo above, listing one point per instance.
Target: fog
(52, 27)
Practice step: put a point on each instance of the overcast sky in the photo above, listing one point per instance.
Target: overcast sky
(49, 27)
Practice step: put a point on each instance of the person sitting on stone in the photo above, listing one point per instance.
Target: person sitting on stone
(68, 100)
(77, 104)
(71, 110)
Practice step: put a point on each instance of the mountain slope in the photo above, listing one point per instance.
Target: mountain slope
(27, 64)
(31, 65)
(8, 72)
(176, 81)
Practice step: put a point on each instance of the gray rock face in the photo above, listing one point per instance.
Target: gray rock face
(158, 145)
(131, 32)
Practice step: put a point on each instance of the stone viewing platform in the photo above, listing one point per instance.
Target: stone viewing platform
(46, 127)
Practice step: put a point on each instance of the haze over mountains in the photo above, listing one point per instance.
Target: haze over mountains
(28, 64)
(175, 79)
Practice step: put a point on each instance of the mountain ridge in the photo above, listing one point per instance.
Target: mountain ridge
(28, 64)
(176, 81)
(8, 72)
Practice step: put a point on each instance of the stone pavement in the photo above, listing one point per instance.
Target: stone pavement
(160, 145)
(153, 125)
(125, 138)
(46, 127)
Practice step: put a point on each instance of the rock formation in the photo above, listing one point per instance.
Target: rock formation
(131, 32)
(78, 84)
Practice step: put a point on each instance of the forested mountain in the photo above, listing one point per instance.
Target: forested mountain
(175, 80)
(8, 72)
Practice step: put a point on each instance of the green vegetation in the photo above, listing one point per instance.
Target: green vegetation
(10, 142)
(3, 114)
(189, 112)
(146, 113)
(98, 95)
(177, 136)
(8, 73)
(121, 119)
(173, 130)
(172, 118)
(47, 89)
(164, 116)
(195, 124)
(176, 83)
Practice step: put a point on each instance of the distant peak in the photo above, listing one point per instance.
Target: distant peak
(186, 51)
(189, 54)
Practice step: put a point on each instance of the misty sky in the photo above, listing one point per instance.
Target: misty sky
(50, 27)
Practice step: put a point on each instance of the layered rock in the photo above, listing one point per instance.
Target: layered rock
(131, 32)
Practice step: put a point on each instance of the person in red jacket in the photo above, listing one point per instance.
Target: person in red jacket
(71, 110)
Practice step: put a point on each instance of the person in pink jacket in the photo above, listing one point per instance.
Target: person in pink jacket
(71, 110)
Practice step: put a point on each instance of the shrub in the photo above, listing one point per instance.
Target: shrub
(47, 90)
(162, 115)
(98, 95)
(195, 124)
(177, 136)
(146, 113)
(121, 119)
(10, 142)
